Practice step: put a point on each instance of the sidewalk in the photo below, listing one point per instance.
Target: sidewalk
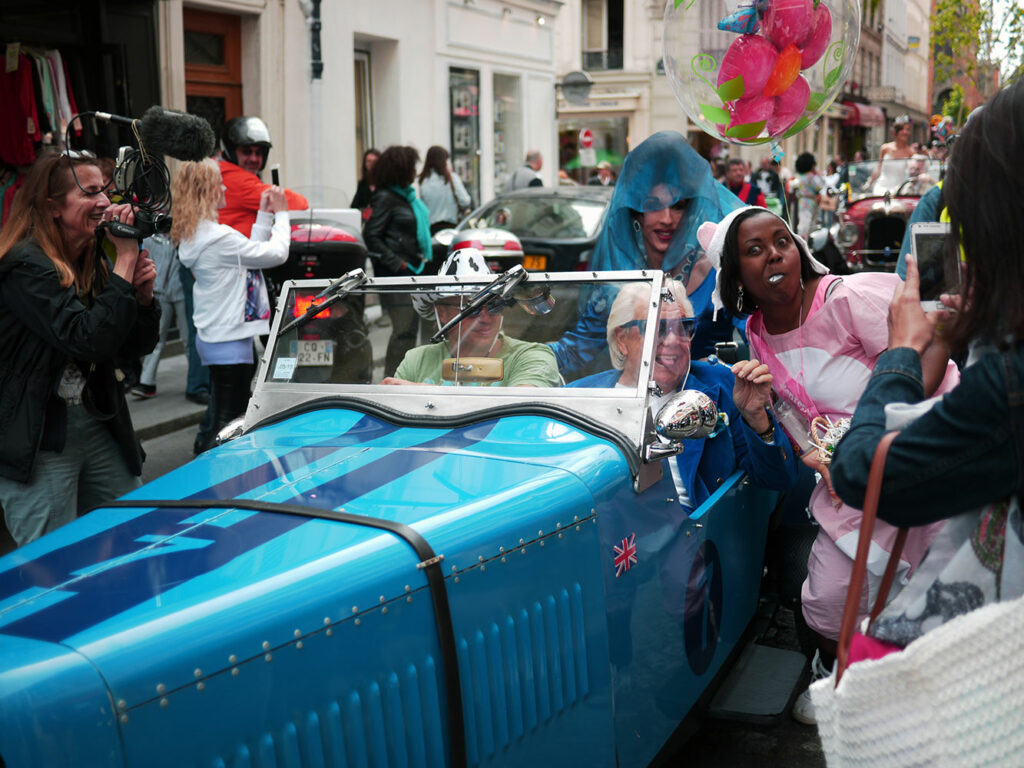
(169, 411)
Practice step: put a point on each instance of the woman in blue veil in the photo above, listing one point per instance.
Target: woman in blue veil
(664, 193)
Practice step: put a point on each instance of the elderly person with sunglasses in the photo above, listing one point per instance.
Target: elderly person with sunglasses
(663, 195)
(755, 442)
(67, 317)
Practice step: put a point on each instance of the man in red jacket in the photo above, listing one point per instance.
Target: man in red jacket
(244, 150)
(734, 182)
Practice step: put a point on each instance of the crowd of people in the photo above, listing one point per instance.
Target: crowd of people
(78, 307)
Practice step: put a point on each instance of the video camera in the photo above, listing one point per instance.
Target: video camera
(141, 177)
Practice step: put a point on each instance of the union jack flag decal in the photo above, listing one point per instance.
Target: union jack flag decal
(625, 555)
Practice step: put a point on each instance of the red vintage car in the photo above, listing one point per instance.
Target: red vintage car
(878, 204)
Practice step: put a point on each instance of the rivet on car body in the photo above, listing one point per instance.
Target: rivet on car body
(160, 687)
(232, 659)
(266, 645)
(358, 621)
(330, 632)
(197, 672)
(383, 599)
(408, 588)
(122, 704)
(579, 527)
(164, 702)
(480, 558)
(456, 579)
(268, 657)
(327, 621)
(124, 718)
(234, 671)
(298, 645)
(297, 633)
(355, 609)
(200, 686)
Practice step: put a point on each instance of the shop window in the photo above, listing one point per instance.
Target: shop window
(213, 66)
(464, 98)
(508, 128)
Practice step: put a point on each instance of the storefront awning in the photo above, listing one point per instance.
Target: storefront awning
(863, 114)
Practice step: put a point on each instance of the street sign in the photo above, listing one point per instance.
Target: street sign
(586, 138)
(588, 157)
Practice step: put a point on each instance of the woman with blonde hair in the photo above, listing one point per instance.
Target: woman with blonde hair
(231, 306)
(67, 316)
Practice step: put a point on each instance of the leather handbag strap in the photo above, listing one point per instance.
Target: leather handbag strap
(860, 563)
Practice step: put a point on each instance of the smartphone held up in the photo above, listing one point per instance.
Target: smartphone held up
(928, 243)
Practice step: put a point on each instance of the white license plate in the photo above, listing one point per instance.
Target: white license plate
(313, 351)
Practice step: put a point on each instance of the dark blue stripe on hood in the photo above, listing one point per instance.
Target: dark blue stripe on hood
(112, 591)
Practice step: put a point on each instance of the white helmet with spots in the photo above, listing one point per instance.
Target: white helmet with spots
(465, 262)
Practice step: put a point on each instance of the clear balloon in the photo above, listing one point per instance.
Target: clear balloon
(754, 71)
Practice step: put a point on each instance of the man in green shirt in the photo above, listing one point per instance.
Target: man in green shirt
(524, 364)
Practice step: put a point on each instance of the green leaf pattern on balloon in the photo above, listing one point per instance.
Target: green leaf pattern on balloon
(746, 130)
(798, 126)
(731, 90)
(835, 53)
(689, 4)
(814, 103)
(715, 115)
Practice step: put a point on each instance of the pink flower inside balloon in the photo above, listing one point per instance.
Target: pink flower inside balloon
(814, 45)
(752, 58)
(788, 21)
(788, 107)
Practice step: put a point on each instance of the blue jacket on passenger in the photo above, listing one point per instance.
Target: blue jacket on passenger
(705, 464)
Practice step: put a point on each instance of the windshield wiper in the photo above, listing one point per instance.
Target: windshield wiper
(495, 296)
(333, 293)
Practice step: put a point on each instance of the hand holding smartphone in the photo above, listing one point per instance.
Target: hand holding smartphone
(928, 244)
(275, 175)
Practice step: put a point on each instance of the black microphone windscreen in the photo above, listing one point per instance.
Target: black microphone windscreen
(178, 134)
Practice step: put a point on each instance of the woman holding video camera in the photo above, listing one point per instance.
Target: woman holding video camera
(66, 316)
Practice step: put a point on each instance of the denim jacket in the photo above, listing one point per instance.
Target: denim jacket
(965, 452)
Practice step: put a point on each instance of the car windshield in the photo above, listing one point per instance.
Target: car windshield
(500, 353)
(553, 218)
(909, 176)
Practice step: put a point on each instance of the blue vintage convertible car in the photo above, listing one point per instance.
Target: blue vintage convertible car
(374, 575)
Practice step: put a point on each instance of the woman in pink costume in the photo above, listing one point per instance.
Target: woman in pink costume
(820, 335)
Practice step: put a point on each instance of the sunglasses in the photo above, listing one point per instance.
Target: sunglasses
(683, 327)
(653, 204)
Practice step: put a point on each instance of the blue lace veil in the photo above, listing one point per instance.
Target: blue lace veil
(667, 159)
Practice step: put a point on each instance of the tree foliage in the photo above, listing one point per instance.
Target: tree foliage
(972, 36)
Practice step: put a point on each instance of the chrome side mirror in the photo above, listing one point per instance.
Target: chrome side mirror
(690, 415)
(229, 431)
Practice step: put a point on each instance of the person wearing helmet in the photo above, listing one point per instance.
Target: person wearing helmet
(245, 147)
(525, 364)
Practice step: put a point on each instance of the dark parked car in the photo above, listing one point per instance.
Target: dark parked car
(557, 227)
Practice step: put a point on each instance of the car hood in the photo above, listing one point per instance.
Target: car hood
(156, 579)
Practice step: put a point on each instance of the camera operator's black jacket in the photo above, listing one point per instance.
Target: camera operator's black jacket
(390, 234)
(43, 326)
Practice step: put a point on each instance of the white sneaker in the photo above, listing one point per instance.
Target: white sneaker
(803, 707)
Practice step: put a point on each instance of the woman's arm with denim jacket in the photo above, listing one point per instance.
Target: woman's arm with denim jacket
(963, 453)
